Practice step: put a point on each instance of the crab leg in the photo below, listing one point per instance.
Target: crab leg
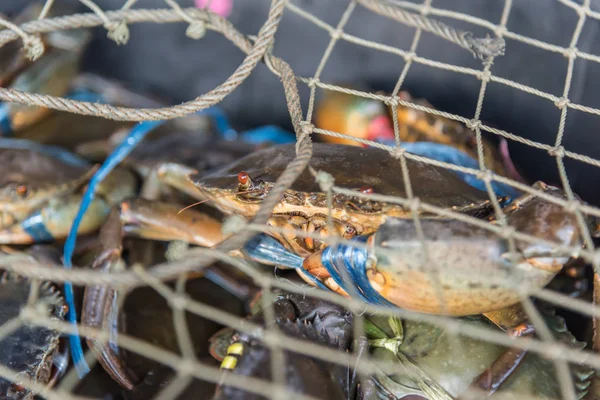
(99, 305)
(149, 220)
(161, 221)
(513, 321)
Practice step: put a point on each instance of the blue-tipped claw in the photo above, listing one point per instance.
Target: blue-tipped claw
(265, 249)
(131, 141)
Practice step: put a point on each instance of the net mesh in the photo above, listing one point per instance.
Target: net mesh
(183, 260)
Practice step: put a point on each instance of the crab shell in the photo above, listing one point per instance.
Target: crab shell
(468, 269)
(303, 318)
(455, 367)
(41, 188)
(31, 350)
(30, 177)
(354, 168)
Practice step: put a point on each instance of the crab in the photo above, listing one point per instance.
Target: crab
(172, 151)
(33, 351)
(240, 187)
(146, 316)
(51, 74)
(425, 363)
(371, 119)
(41, 188)
(297, 316)
(468, 270)
(438, 366)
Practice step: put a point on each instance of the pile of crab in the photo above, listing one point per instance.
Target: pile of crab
(423, 277)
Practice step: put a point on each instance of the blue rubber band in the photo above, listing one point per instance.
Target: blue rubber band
(136, 135)
(5, 122)
(267, 250)
(221, 122)
(34, 226)
(353, 260)
(86, 95)
(452, 155)
(268, 133)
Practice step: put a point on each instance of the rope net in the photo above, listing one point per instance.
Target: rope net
(171, 279)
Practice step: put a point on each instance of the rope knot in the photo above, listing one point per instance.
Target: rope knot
(500, 31)
(306, 129)
(34, 47)
(233, 224)
(486, 176)
(572, 206)
(507, 231)
(178, 302)
(410, 56)
(337, 34)
(186, 368)
(29, 314)
(557, 152)
(176, 250)
(118, 32)
(561, 103)
(392, 102)
(484, 76)
(325, 180)
(570, 52)
(473, 124)
(398, 152)
(485, 48)
(414, 204)
(196, 30)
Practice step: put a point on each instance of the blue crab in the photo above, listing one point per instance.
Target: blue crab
(37, 352)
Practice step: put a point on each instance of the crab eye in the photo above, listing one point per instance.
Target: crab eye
(21, 190)
(366, 190)
(350, 231)
(243, 178)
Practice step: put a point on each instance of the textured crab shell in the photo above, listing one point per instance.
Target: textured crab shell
(30, 349)
(307, 319)
(472, 270)
(352, 168)
(454, 368)
(36, 168)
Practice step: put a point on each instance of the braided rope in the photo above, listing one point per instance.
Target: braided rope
(215, 22)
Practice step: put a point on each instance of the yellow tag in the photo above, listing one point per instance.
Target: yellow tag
(235, 348)
(229, 362)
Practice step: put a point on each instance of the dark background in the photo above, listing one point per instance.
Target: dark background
(161, 60)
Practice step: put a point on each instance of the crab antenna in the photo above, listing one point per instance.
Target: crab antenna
(216, 197)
